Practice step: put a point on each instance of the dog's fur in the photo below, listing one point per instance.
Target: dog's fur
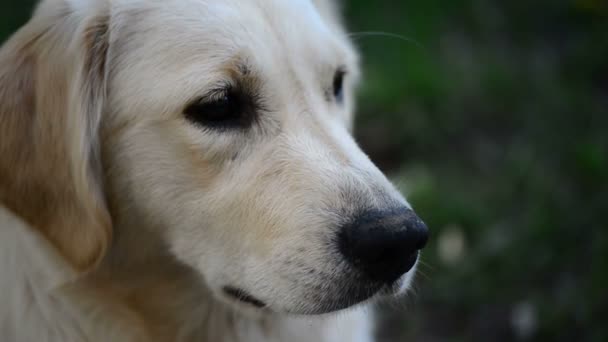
(123, 221)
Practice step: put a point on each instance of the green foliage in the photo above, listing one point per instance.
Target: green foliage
(13, 14)
(499, 127)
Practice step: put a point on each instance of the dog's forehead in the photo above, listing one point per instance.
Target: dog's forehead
(262, 29)
(187, 45)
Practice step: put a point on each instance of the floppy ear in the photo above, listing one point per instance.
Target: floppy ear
(52, 90)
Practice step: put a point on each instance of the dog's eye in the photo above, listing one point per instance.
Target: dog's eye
(338, 85)
(223, 109)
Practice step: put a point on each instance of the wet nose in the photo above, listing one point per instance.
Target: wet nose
(383, 245)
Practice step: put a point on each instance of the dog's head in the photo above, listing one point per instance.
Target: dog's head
(220, 127)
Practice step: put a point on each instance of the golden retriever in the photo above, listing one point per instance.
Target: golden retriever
(183, 170)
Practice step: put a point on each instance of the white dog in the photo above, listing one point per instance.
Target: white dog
(182, 170)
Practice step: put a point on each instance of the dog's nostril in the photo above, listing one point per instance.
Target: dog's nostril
(383, 245)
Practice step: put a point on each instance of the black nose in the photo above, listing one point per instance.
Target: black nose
(383, 245)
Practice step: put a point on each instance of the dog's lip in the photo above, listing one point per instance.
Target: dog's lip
(243, 296)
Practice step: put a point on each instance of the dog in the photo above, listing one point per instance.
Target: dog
(184, 170)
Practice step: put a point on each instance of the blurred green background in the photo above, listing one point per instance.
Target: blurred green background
(493, 118)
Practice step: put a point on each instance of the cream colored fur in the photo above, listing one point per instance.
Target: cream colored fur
(122, 221)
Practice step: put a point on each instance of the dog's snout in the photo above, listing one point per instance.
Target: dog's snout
(383, 245)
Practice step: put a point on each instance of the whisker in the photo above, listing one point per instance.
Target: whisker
(362, 34)
(424, 275)
(426, 265)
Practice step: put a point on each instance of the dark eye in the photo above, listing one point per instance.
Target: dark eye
(338, 85)
(223, 109)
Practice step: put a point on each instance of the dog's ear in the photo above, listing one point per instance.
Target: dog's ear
(52, 91)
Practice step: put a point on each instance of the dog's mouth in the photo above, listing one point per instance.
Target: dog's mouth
(243, 297)
(354, 292)
(354, 296)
